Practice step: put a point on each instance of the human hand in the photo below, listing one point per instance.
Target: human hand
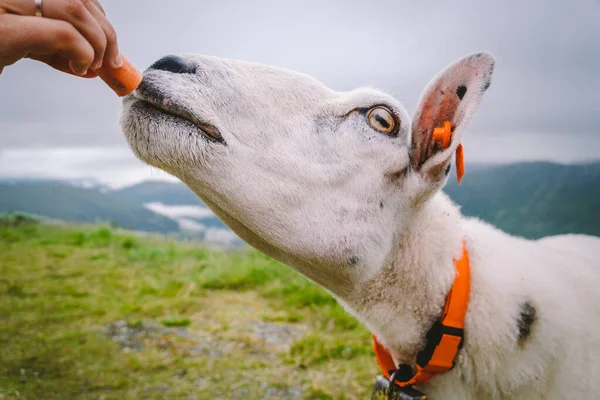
(73, 36)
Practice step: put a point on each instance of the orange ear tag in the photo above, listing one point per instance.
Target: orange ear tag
(460, 162)
(444, 134)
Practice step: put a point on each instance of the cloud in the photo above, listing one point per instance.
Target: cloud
(115, 166)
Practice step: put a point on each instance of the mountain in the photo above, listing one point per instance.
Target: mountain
(527, 199)
(168, 193)
(88, 183)
(63, 201)
(174, 200)
(532, 199)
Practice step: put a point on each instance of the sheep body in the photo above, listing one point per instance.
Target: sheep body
(303, 174)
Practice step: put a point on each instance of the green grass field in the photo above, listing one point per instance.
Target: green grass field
(92, 313)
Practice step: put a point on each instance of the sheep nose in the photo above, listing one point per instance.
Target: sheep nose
(175, 64)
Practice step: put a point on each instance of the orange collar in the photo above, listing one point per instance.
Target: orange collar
(444, 340)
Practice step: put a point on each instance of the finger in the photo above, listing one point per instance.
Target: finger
(105, 44)
(77, 14)
(27, 7)
(46, 36)
(99, 6)
(60, 63)
(111, 55)
(19, 7)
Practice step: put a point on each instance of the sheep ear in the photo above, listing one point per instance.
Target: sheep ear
(453, 95)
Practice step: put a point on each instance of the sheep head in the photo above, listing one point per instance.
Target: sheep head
(321, 180)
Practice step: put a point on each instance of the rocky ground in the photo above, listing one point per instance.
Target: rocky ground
(215, 338)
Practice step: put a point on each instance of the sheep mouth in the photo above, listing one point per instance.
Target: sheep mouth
(155, 101)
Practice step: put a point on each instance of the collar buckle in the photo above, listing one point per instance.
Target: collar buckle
(442, 340)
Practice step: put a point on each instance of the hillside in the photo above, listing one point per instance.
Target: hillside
(175, 201)
(533, 199)
(526, 199)
(169, 193)
(89, 313)
(70, 203)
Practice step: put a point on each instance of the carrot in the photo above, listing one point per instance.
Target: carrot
(122, 80)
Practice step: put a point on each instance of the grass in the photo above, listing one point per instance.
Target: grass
(93, 313)
(176, 321)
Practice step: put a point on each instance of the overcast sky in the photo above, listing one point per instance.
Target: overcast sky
(544, 102)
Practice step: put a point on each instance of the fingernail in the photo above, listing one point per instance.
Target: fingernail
(77, 68)
(97, 65)
(118, 61)
(80, 70)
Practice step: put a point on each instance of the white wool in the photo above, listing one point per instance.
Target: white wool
(304, 177)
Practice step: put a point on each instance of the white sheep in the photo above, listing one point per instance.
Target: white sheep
(339, 187)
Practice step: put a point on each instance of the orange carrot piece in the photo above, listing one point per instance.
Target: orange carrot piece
(122, 80)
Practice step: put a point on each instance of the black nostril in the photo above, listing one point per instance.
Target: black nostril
(175, 64)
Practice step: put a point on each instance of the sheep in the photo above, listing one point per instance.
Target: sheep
(345, 189)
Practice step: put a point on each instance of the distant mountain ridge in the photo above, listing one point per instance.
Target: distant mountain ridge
(532, 199)
(64, 201)
(168, 193)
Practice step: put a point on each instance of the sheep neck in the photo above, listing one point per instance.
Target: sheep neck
(401, 303)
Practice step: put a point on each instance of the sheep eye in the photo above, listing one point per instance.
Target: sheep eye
(382, 120)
